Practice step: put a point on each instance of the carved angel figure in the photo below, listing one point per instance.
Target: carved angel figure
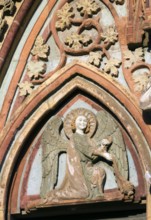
(89, 139)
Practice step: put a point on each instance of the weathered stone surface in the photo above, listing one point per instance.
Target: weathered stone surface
(92, 49)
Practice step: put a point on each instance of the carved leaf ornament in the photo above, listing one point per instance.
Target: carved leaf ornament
(133, 57)
(36, 68)
(7, 7)
(25, 88)
(78, 18)
(87, 6)
(110, 35)
(111, 66)
(64, 15)
(95, 58)
(77, 41)
(141, 81)
(40, 49)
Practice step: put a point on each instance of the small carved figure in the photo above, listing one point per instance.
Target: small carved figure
(89, 139)
(145, 99)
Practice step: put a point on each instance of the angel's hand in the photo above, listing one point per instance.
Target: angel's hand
(101, 151)
(106, 141)
(107, 156)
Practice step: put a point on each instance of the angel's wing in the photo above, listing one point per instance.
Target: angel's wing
(108, 127)
(52, 145)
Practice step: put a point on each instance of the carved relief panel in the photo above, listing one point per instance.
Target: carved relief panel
(86, 140)
(74, 115)
(82, 154)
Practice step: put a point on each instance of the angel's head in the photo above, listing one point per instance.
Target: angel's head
(81, 121)
(81, 124)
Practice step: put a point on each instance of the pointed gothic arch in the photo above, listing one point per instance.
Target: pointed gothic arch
(77, 76)
(20, 116)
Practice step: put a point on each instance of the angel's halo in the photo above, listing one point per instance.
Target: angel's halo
(69, 122)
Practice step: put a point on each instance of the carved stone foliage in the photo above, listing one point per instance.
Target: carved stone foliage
(84, 39)
(88, 140)
(77, 31)
(36, 67)
(138, 28)
(25, 88)
(7, 8)
(141, 81)
(40, 49)
(133, 57)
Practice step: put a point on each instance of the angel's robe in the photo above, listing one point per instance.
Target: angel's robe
(75, 185)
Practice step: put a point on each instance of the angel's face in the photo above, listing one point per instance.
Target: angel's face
(81, 123)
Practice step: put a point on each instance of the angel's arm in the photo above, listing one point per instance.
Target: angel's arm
(102, 150)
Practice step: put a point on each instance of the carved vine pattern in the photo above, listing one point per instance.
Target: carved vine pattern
(36, 67)
(77, 43)
(83, 16)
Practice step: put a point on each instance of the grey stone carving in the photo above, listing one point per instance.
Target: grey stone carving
(88, 139)
(145, 99)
